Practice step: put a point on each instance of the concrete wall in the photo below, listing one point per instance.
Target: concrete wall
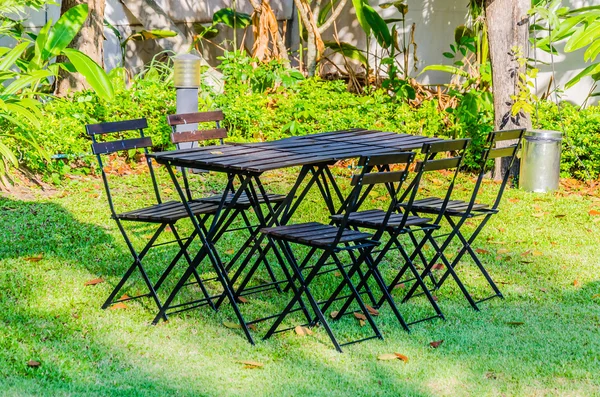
(435, 23)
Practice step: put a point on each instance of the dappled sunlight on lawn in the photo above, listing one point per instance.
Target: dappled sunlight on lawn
(542, 339)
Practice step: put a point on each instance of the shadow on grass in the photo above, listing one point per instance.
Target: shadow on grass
(50, 317)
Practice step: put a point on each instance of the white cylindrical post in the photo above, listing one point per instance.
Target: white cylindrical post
(187, 81)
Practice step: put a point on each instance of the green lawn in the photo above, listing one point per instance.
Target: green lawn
(542, 249)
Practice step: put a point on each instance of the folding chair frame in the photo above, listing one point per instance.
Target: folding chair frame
(103, 148)
(471, 211)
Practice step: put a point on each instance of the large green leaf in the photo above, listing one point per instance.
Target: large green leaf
(447, 69)
(584, 36)
(592, 52)
(590, 70)
(24, 81)
(360, 15)
(231, 18)
(151, 35)
(348, 50)
(325, 10)
(40, 43)
(380, 29)
(94, 74)
(10, 58)
(33, 115)
(65, 29)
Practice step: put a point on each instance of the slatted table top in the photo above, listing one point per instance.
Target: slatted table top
(294, 151)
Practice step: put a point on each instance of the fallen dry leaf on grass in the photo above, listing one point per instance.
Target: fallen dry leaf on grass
(360, 316)
(251, 364)
(241, 299)
(437, 266)
(232, 325)
(118, 306)
(576, 283)
(361, 323)
(387, 356)
(401, 357)
(482, 251)
(35, 258)
(503, 251)
(594, 212)
(436, 343)
(334, 314)
(94, 281)
(33, 363)
(303, 331)
(372, 311)
(392, 356)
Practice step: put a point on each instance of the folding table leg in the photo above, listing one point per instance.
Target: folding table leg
(206, 250)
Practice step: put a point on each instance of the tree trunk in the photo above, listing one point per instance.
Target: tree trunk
(89, 40)
(314, 43)
(507, 30)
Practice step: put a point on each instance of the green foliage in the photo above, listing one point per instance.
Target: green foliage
(241, 70)
(225, 16)
(259, 106)
(314, 106)
(473, 118)
(61, 127)
(581, 146)
(580, 28)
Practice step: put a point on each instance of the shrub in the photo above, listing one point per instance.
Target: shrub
(62, 130)
(307, 106)
(581, 143)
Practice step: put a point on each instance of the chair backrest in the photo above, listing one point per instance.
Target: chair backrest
(105, 146)
(184, 128)
(194, 134)
(390, 170)
(492, 151)
(432, 162)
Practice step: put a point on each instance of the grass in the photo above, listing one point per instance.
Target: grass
(542, 249)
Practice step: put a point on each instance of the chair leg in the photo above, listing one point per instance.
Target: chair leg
(137, 263)
(304, 290)
(183, 248)
(354, 293)
(450, 269)
(467, 247)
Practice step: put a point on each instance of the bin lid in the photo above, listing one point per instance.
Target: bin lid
(544, 135)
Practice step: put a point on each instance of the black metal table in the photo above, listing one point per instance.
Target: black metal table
(246, 163)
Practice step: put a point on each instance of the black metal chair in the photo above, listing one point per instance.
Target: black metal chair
(457, 212)
(332, 240)
(397, 224)
(161, 213)
(189, 121)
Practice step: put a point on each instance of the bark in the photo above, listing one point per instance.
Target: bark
(266, 30)
(314, 42)
(89, 40)
(507, 28)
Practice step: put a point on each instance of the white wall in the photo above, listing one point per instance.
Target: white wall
(435, 23)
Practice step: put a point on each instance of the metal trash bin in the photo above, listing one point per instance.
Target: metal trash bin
(540, 161)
